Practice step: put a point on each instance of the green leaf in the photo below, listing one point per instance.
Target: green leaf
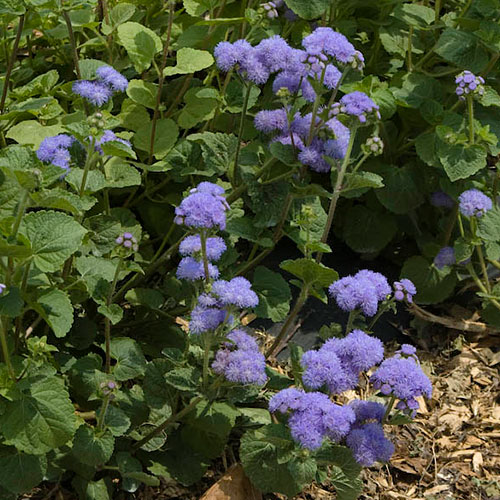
(142, 92)
(189, 61)
(11, 303)
(310, 272)
(274, 294)
(40, 85)
(95, 180)
(32, 132)
(488, 227)
(183, 379)
(201, 104)
(462, 49)
(63, 200)
(130, 361)
(91, 446)
(259, 453)
(118, 15)
(284, 153)
(56, 309)
(120, 174)
(140, 42)
(42, 419)
(91, 490)
(20, 472)
(312, 9)
(417, 89)
(367, 231)
(360, 180)
(147, 297)
(207, 427)
(156, 390)
(414, 15)
(132, 474)
(54, 237)
(403, 191)
(12, 7)
(218, 150)
(433, 286)
(116, 420)
(461, 161)
(235, 96)
(165, 137)
(490, 97)
(196, 8)
(118, 149)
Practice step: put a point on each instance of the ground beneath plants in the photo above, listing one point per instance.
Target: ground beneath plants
(450, 452)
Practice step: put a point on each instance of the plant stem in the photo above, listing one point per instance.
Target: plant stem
(470, 112)
(234, 172)
(207, 345)
(166, 423)
(409, 63)
(23, 205)
(350, 321)
(336, 192)
(203, 240)
(102, 413)
(12, 60)
(315, 110)
(107, 321)
(86, 168)
(381, 311)
(5, 348)
(473, 227)
(301, 300)
(388, 409)
(161, 80)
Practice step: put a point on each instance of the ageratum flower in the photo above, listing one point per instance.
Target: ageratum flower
(362, 291)
(128, 241)
(367, 411)
(112, 78)
(407, 350)
(236, 292)
(404, 290)
(205, 207)
(445, 257)
(356, 104)
(474, 203)
(97, 93)
(240, 360)
(204, 319)
(192, 270)
(403, 378)
(312, 416)
(441, 200)
(469, 84)
(369, 444)
(55, 150)
(191, 245)
(107, 136)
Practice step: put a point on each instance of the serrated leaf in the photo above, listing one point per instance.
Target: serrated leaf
(189, 61)
(120, 175)
(488, 226)
(140, 42)
(42, 419)
(142, 92)
(218, 150)
(274, 294)
(312, 9)
(310, 272)
(113, 312)
(183, 379)
(20, 472)
(165, 137)
(145, 297)
(130, 361)
(91, 446)
(56, 309)
(11, 303)
(461, 161)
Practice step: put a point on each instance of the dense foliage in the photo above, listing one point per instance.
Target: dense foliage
(154, 154)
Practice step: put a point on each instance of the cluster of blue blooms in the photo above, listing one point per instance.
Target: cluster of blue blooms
(128, 241)
(204, 210)
(299, 71)
(336, 367)
(56, 150)
(99, 91)
(469, 84)
(474, 203)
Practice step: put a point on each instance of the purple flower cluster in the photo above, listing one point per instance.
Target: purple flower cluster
(127, 240)
(205, 207)
(362, 291)
(407, 350)
(107, 136)
(312, 416)
(2, 288)
(356, 104)
(240, 360)
(271, 8)
(402, 377)
(333, 144)
(191, 245)
(404, 290)
(339, 362)
(469, 84)
(474, 203)
(192, 269)
(369, 444)
(98, 92)
(56, 150)
(236, 292)
(441, 200)
(445, 257)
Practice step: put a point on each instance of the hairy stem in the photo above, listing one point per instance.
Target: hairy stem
(102, 413)
(234, 173)
(107, 321)
(388, 409)
(470, 113)
(5, 348)
(207, 345)
(203, 240)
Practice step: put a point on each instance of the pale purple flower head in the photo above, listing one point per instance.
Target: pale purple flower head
(192, 270)
(407, 350)
(127, 240)
(2, 288)
(357, 351)
(274, 52)
(313, 417)
(403, 378)
(240, 360)
(237, 292)
(327, 42)
(356, 104)
(369, 444)
(55, 150)
(445, 257)
(469, 84)
(441, 200)
(112, 78)
(204, 207)
(362, 291)
(191, 245)
(293, 81)
(204, 319)
(474, 203)
(367, 411)
(271, 121)
(107, 136)
(97, 93)
(404, 290)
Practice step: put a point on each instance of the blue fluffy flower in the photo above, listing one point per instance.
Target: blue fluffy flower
(191, 269)
(237, 292)
(474, 203)
(191, 245)
(369, 444)
(112, 78)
